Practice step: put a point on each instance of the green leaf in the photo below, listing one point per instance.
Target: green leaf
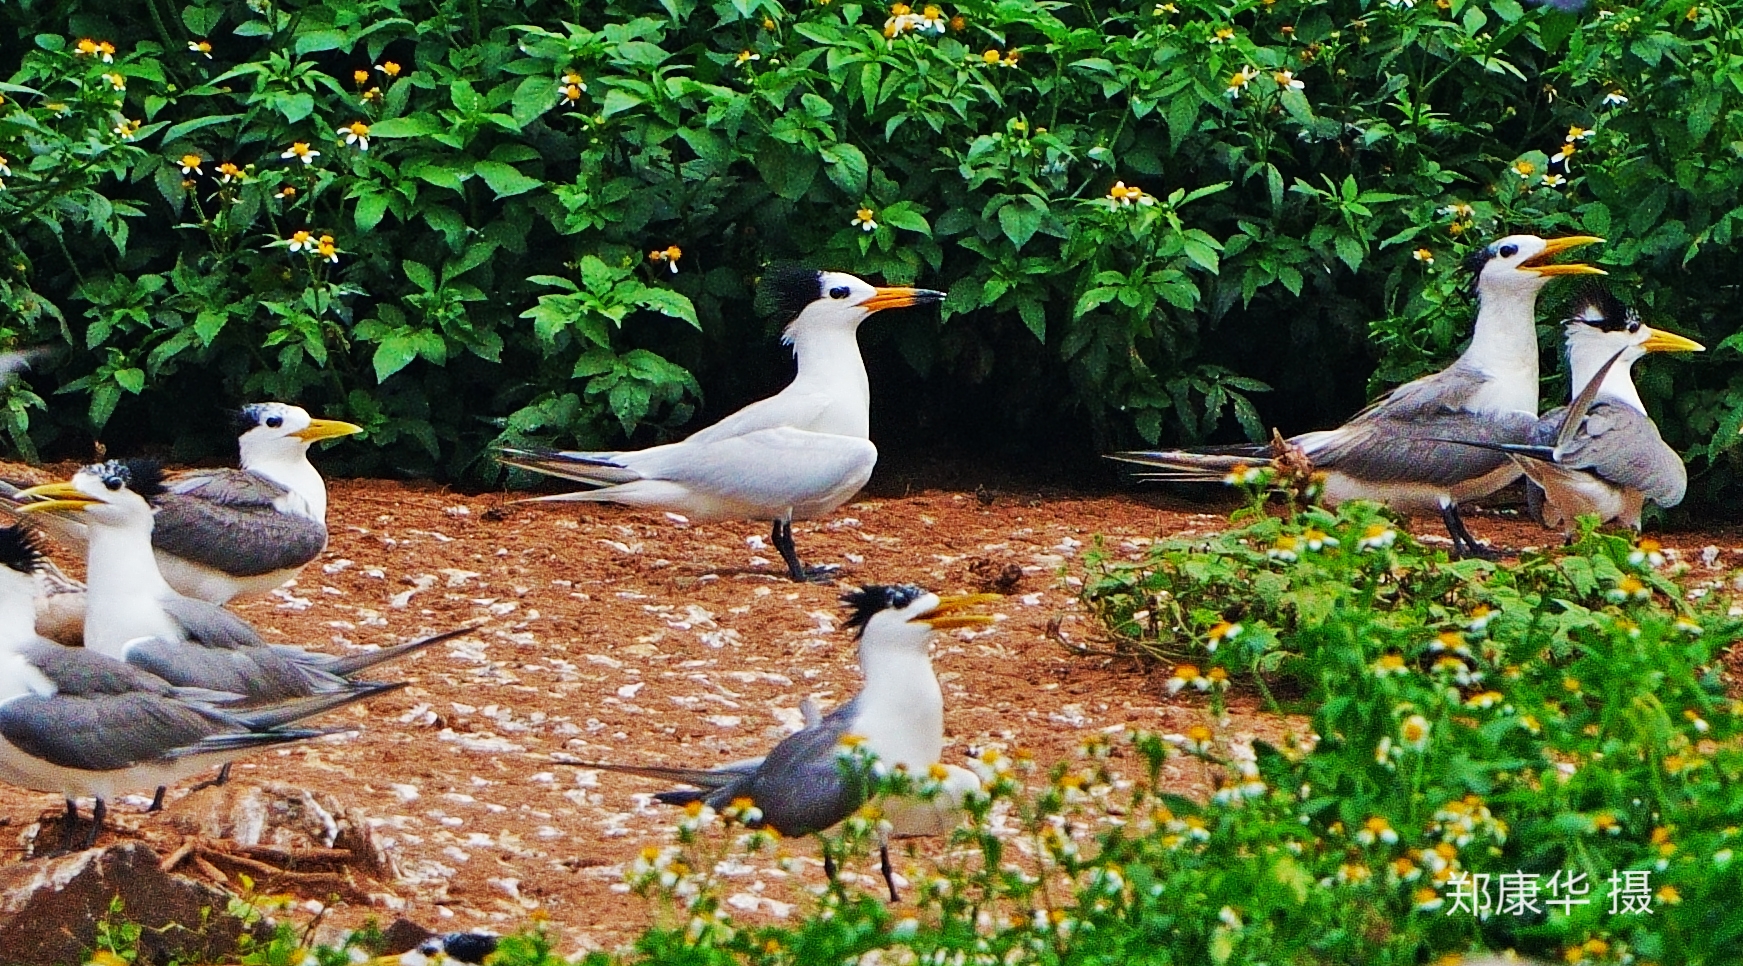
(370, 209)
(618, 100)
(532, 98)
(902, 215)
(420, 275)
(393, 354)
(464, 97)
(130, 379)
(504, 179)
(709, 146)
(177, 131)
(403, 127)
(847, 167)
(311, 41)
(1349, 250)
(669, 303)
(1019, 220)
(201, 21)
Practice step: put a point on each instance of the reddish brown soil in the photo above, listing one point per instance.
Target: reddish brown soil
(620, 636)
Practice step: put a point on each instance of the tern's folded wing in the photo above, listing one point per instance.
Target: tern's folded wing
(1383, 449)
(1622, 445)
(767, 468)
(227, 520)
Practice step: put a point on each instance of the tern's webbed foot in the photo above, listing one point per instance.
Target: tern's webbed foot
(814, 573)
(1478, 551)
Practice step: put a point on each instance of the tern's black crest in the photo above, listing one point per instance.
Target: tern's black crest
(785, 290)
(142, 476)
(464, 947)
(20, 548)
(256, 414)
(1474, 264)
(874, 599)
(1599, 308)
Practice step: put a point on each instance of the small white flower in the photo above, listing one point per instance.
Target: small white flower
(356, 133)
(301, 149)
(1615, 98)
(864, 220)
(1286, 80)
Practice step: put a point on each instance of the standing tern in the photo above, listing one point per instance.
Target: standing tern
(1395, 451)
(794, 456)
(806, 783)
(1601, 454)
(78, 723)
(222, 533)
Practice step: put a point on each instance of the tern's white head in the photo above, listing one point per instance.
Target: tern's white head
(111, 495)
(1599, 327)
(275, 444)
(901, 618)
(1518, 265)
(275, 432)
(811, 300)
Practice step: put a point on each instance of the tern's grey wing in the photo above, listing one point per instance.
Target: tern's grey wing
(1450, 389)
(1622, 445)
(802, 785)
(1384, 447)
(103, 715)
(228, 520)
(786, 409)
(261, 673)
(82, 673)
(210, 624)
(768, 468)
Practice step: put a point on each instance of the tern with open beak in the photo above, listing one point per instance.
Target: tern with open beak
(807, 783)
(78, 723)
(134, 616)
(1601, 454)
(222, 533)
(794, 456)
(1395, 451)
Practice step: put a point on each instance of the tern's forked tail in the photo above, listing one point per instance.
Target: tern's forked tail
(1187, 466)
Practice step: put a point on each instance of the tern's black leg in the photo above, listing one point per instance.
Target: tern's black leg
(782, 538)
(889, 874)
(157, 799)
(98, 812)
(68, 824)
(829, 866)
(222, 777)
(1464, 545)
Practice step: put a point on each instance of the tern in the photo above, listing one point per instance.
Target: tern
(78, 723)
(1395, 451)
(794, 456)
(134, 616)
(1601, 454)
(807, 783)
(223, 533)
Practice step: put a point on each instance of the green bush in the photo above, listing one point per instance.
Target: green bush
(1558, 720)
(1133, 206)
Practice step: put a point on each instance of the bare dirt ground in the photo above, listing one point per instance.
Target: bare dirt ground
(614, 635)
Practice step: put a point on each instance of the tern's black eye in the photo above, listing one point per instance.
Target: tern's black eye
(1508, 251)
(113, 482)
(274, 421)
(839, 292)
(1634, 326)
